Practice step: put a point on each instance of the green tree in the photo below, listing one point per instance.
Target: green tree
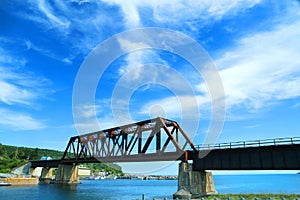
(3, 151)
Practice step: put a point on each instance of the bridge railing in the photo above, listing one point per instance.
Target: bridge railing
(252, 143)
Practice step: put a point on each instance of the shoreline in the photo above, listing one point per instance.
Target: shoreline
(131, 177)
(18, 181)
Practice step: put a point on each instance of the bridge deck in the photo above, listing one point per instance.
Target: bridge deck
(45, 163)
(273, 157)
(279, 157)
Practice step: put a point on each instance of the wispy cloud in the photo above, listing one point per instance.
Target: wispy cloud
(192, 14)
(265, 67)
(8, 60)
(88, 21)
(168, 14)
(90, 118)
(17, 87)
(20, 89)
(174, 106)
(130, 12)
(55, 20)
(88, 126)
(11, 94)
(30, 46)
(166, 11)
(198, 13)
(19, 121)
(88, 111)
(262, 69)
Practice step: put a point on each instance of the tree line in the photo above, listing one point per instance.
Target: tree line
(12, 157)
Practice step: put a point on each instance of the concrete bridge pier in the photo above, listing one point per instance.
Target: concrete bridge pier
(193, 184)
(67, 174)
(46, 175)
(35, 171)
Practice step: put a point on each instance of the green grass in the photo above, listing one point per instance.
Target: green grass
(253, 196)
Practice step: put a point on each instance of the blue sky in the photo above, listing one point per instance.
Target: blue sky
(253, 43)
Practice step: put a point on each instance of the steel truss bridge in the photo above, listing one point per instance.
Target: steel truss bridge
(162, 139)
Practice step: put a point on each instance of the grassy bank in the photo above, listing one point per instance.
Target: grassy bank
(253, 197)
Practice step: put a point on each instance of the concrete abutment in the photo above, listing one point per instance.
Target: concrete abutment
(65, 174)
(193, 184)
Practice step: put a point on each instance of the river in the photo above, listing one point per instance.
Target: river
(133, 189)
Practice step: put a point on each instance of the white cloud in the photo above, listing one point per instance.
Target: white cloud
(89, 127)
(173, 106)
(263, 68)
(260, 69)
(19, 121)
(43, 13)
(93, 117)
(88, 111)
(136, 59)
(131, 14)
(205, 10)
(90, 19)
(133, 61)
(10, 94)
(128, 45)
(17, 87)
(172, 13)
(10, 60)
(30, 46)
(182, 11)
(55, 20)
(67, 60)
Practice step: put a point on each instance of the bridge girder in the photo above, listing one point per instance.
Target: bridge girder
(273, 157)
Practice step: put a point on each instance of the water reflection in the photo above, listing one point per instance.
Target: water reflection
(66, 186)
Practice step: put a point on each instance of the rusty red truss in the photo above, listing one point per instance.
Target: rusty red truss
(156, 139)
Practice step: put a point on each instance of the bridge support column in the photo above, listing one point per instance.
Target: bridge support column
(36, 172)
(46, 175)
(193, 184)
(67, 173)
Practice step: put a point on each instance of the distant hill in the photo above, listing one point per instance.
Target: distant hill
(12, 157)
(25, 153)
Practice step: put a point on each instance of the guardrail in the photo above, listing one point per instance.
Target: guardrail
(252, 143)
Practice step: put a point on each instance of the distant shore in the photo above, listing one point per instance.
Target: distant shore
(148, 177)
(132, 177)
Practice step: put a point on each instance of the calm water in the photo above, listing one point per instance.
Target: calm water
(133, 189)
